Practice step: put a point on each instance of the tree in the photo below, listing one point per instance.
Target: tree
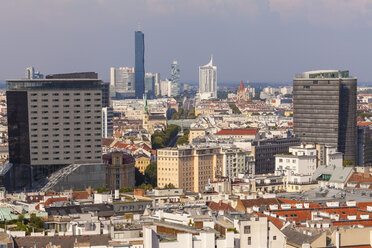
(157, 142)
(348, 163)
(36, 222)
(151, 174)
(145, 186)
(125, 189)
(102, 190)
(139, 177)
(169, 186)
(235, 109)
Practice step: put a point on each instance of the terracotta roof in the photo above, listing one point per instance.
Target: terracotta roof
(260, 202)
(80, 195)
(360, 178)
(238, 131)
(107, 141)
(220, 206)
(364, 123)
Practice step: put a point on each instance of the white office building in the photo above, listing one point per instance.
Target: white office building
(208, 80)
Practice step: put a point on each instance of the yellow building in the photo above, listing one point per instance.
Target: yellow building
(188, 167)
(203, 111)
(196, 132)
(142, 162)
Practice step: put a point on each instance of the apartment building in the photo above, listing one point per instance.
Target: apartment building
(120, 172)
(54, 122)
(264, 152)
(235, 161)
(187, 167)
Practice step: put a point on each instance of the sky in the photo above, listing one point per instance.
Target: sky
(255, 40)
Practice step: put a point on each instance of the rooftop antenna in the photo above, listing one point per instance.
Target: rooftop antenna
(138, 26)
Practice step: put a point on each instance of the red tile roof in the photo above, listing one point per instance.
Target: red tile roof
(220, 206)
(238, 131)
(364, 123)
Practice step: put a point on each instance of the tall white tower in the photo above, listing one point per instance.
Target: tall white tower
(208, 80)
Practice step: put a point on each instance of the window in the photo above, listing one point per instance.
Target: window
(247, 230)
(274, 237)
(249, 240)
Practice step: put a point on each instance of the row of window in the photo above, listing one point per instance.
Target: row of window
(67, 158)
(66, 129)
(76, 140)
(65, 135)
(65, 111)
(66, 94)
(67, 100)
(68, 106)
(65, 123)
(65, 146)
(57, 152)
(65, 117)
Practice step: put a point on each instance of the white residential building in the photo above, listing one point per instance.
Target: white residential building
(208, 80)
(298, 165)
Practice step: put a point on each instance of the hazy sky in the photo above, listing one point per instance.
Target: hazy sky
(256, 40)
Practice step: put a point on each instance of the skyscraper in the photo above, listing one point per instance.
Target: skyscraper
(139, 66)
(150, 85)
(325, 110)
(208, 80)
(122, 83)
(175, 78)
(52, 123)
(32, 74)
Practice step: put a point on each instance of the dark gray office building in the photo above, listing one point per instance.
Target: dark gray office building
(139, 67)
(52, 123)
(325, 110)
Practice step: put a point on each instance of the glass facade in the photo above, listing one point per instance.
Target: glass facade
(139, 69)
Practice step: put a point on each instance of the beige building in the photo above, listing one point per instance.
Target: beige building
(188, 167)
(196, 132)
(142, 162)
(120, 172)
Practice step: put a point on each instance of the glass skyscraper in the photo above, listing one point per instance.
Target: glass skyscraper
(139, 67)
(175, 78)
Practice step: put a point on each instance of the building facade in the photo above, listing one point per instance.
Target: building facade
(122, 83)
(175, 78)
(264, 152)
(120, 170)
(325, 110)
(150, 85)
(54, 122)
(189, 168)
(208, 80)
(139, 67)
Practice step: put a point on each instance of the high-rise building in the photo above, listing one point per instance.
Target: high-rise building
(208, 80)
(139, 66)
(325, 110)
(157, 84)
(175, 78)
(166, 88)
(52, 123)
(122, 83)
(150, 85)
(32, 74)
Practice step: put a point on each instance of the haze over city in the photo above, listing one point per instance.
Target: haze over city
(256, 40)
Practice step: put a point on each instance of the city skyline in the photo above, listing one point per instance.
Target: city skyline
(248, 38)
